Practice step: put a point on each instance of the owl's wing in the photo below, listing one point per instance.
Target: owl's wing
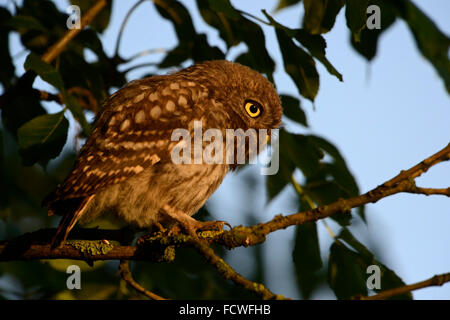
(132, 133)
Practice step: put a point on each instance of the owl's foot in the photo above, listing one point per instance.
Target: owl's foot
(190, 225)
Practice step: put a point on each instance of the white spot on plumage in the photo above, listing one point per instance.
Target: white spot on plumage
(166, 91)
(153, 96)
(135, 169)
(174, 86)
(125, 125)
(170, 106)
(112, 121)
(139, 117)
(194, 94)
(155, 112)
(139, 98)
(182, 101)
(131, 145)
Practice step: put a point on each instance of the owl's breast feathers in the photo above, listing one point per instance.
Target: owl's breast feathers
(132, 133)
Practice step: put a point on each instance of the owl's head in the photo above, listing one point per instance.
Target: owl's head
(248, 98)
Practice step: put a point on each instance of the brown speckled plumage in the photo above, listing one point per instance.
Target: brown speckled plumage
(125, 166)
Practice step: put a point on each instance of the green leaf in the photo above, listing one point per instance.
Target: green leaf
(339, 171)
(191, 45)
(355, 13)
(316, 46)
(88, 38)
(258, 56)
(47, 72)
(286, 3)
(306, 256)
(343, 176)
(95, 77)
(314, 12)
(52, 76)
(225, 7)
(21, 108)
(389, 279)
(367, 45)
(237, 29)
(324, 192)
(432, 43)
(303, 154)
(19, 22)
(175, 12)
(42, 138)
(7, 73)
(47, 27)
(5, 189)
(292, 109)
(299, 65)
(277, 182)
(202, 51)
(42, 129)
(295, 151)
(320, 15)
(225, 25)
(346, 272)
(329, 18)
(74, 106)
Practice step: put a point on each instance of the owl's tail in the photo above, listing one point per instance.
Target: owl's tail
(68, 221)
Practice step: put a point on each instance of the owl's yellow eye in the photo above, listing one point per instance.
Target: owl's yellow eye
(253, 108)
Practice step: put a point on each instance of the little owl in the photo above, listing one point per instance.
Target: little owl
(125, 166)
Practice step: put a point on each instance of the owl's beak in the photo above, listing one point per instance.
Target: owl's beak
(268, 138)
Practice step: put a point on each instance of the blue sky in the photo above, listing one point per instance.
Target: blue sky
(386, 116)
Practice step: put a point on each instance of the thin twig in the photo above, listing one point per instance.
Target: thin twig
(430, 191)
(312, 205)
(421, 167)
(125, 273)
(89, 102)
(229, 273)
(253, 17)
(145, 53)
(437, 280)
(47, 96)
(141, 65)
(122, 26)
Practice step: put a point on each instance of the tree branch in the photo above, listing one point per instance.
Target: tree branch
(430, 191)
(160, 247)
(403, 182)
(125, 273)
(86, 19)
(437, 280)
(36, 245)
